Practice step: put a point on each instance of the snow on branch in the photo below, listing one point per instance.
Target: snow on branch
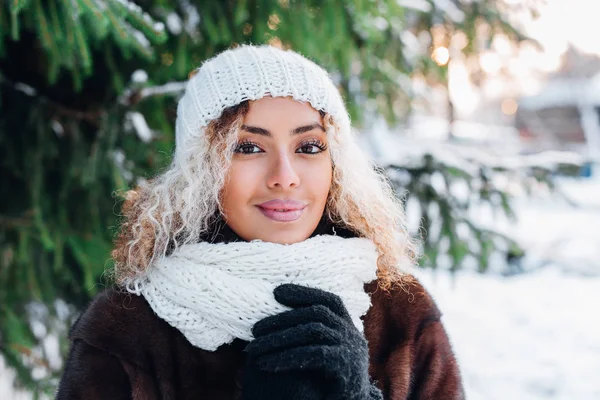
(171, 88)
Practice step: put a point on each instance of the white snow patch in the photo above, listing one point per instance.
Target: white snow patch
(417, 5)
(166, 89)
(140, 125)
(25, 88)
(141, 38)
(57, 128)
(7, 391)
(139, 76)
(381, 23)
(192, 18)
(174, 23)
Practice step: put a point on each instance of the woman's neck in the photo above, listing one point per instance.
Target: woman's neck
(220, 232)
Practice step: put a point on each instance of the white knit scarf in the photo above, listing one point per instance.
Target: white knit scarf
(214, 293)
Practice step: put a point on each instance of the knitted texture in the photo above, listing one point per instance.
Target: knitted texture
(214, 293)
(250, 73)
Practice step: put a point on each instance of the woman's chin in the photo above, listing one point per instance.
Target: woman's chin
(279, 236)
(287, 239)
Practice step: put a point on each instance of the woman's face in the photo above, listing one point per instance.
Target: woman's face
(281, 172)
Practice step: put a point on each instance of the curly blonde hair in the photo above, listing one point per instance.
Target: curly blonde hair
(178, 206)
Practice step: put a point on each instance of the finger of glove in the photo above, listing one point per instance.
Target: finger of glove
(295, 296)
(314, 333)
(306, 358)
(295, 317)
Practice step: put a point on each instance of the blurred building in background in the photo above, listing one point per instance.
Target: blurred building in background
(565, 114)
(518, 96)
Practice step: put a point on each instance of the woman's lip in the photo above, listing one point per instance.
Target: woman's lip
(282, 205)
(282, 216)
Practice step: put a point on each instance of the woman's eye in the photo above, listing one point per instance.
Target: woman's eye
(311, 148)
(248, 148)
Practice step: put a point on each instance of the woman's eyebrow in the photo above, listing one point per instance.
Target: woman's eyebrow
(307, 128)
(256, 130)
(295, 131)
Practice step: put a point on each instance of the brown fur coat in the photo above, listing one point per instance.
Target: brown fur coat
(122, 350)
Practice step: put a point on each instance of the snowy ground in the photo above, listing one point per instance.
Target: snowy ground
(534, 336)
(530, 336)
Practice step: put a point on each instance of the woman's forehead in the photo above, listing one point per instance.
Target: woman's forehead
(281, 110)
(279, 101)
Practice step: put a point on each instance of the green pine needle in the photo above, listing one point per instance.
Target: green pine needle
(116, 24)
(14, 22)
(95, 19)
(44, 32)
(153, 30)
(83, 51)
(90, 7)
(54, 21)
(17, 5)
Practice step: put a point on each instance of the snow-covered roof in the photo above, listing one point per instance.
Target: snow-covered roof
(564, 92)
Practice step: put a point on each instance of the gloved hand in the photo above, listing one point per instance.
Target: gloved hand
(286, 385)
(316, 337)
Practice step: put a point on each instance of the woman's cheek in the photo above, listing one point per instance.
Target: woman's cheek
(317, 176)
(246, 175)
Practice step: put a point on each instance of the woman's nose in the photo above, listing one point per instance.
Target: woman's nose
(282, 173)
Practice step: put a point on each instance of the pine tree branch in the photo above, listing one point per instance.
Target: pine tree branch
(90, 116)
(132, 97)
(12, 222)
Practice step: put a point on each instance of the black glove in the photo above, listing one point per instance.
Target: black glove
(318, 337)
(288, 385)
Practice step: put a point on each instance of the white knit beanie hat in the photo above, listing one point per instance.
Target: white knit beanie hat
(250, 73)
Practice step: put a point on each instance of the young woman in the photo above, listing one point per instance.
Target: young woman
(270, 261)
